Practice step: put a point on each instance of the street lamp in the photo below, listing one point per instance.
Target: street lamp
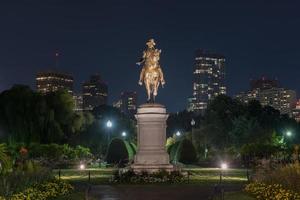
(223, 166)
(81, 166)
(124, 134)
(109, 126)
(193, 123)
(178, 134)
(289, 133)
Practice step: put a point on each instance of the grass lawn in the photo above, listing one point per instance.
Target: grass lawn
(237, 196)
(212, 175)
(197, 175)
(98, 175)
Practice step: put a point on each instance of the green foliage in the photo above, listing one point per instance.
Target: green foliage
(133, 147)
(5, 163)
(173, 152)
(170, 142)
(179, 121)
(27, 116)
(52, 155)
(130, 149)
(46, 190)
(262, 191)
(20, 179)
(186, 152)
(231, 125)
(288, 176)
(183, 151)
(94, 136)
(259, 150)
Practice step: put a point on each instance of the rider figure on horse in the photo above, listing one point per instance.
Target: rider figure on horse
(151, 73)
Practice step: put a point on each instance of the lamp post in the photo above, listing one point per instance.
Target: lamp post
(178, 134)
(124, 134)
(192, 124)
(109, 126)
(289, 134)
(223, 167)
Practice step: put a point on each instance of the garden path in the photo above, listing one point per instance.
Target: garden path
(155, 192)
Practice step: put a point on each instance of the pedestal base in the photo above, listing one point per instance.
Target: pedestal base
(151, 128)
(152, 168)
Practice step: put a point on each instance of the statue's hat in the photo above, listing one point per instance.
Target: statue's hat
(150, 43)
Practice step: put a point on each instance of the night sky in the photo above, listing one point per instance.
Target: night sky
(108, 37)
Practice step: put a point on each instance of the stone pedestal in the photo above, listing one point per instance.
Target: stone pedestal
(151, 129)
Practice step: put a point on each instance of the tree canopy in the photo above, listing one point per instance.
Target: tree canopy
(27, 116)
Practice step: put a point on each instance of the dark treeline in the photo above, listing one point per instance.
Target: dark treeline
(231, 127)
(27, 116)
(227, 127)
(30, 117)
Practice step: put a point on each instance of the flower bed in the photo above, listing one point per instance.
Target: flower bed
(144, 177)
(262, 191)
(43, 191)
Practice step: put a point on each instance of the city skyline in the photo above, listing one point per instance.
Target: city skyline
(91, 39)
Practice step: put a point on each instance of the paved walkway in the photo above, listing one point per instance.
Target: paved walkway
(155, 192)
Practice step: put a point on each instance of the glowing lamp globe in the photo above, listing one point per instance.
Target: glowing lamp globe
(224, 166)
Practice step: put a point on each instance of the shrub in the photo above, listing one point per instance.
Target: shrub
(173, 150)
(288, 176)
(53, 155)
(186, 152)
(119, 152)
(144, 177)
(133, 147)
(19, 180)
(262, 191)
(5, 163)
(44, 191)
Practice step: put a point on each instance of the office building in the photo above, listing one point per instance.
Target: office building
(94, 92)
(208, 79)
(53, 81)
(269, 93)
(78, 101)
(127, 103)
(296, 111)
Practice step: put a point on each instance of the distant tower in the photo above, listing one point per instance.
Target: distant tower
(94, 92)
(129, 103)
(208, 79)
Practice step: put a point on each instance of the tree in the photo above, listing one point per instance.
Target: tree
(179, 121)
(4, 159)
(183, 151)
(95, 135)
(28, 116)
(186, 152)
(119, 152)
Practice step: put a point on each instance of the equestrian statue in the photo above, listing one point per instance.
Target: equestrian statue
(151, 73)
